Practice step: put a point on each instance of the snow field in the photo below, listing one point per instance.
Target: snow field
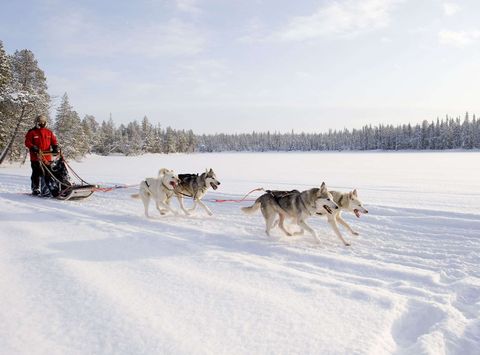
(97, 277)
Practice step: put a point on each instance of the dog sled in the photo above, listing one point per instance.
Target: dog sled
(57, 182)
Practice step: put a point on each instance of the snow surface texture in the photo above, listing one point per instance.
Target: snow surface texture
(97, 277)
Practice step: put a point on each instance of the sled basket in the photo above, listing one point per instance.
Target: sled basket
(57, 182)
(76, 192)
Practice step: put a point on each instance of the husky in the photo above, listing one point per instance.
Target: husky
(160, 189)
(195, 186)
(347, 201)
(294, 205)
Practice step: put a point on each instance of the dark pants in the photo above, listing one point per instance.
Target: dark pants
(37, 172)
(40, 178)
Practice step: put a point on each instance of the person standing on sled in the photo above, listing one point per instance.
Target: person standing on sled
(40, 139)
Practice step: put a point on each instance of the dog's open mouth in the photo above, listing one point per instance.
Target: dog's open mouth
(173, 183)
(328, 209)
(357, 213)
(214, 186)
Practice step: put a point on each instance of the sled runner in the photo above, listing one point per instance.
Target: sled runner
(57, 183)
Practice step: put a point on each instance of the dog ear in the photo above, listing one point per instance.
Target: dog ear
(355, 193)
(323, 187)
(350, 195)
(162, 171)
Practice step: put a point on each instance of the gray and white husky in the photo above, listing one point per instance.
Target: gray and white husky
(347, 201)
(294, 205)
(195, 186)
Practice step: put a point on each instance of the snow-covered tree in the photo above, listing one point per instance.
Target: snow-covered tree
(135, 141)
(5, 86)
(5, 69)
(108, 138)
(170, 141)
(69, 130)
(148, 136)
(23, 97)
(158, 136)
(90, 129)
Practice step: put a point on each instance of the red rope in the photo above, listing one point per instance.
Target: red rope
(108, 189)
(240, 200)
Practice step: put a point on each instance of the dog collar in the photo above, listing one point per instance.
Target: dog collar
(168, 188)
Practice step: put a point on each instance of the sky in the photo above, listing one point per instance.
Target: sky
(258, 65)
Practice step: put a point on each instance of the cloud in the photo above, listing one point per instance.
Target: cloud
(254, 31)
(79, 34)
(175, 37)
(450, 8)
(204, 78)
(340, 18)
(458, 38)
(189, 6)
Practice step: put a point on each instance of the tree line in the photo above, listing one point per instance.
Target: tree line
(23, 95)
(445, 133)
(79, 137)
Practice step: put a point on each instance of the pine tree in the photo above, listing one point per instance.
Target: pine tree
(5, 87)
(69, 131)
(5, 70)
(107, 138)
(158, 139)
(182, 141)
(475, 132)
(24, 98)
(90, 128)
(191, 141)
(170, 141)
(148, 136)
(135, 141)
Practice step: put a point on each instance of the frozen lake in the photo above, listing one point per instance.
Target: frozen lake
(97, 277)
(446, 181)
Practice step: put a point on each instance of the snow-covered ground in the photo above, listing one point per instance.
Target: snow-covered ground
(97, 277)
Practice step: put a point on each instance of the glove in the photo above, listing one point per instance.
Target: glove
(54, 149)
(35, 149)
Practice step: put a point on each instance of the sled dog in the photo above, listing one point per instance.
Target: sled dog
(347, 201)
(294, 205)
(195, 186)
(160, 189)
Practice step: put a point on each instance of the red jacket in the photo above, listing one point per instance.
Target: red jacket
(42, 138)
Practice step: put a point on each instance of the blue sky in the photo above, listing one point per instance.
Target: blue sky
(238, 66)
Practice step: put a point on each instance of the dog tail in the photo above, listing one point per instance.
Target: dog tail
(253, 208)
(135, 196)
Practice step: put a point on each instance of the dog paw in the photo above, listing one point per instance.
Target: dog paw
(355, 233)
(347, 244)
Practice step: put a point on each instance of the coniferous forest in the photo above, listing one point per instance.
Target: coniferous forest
(23, 94)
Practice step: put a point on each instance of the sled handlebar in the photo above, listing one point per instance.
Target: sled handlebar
(48, 153)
